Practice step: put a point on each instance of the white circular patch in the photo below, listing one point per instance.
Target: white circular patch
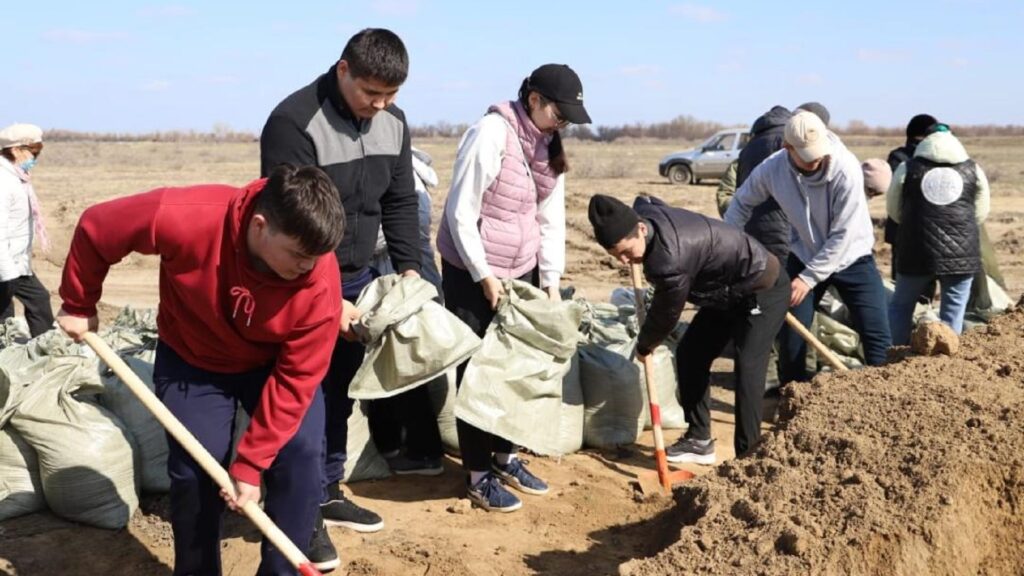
(942, 186)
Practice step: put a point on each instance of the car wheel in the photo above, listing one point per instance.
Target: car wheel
(679, 174)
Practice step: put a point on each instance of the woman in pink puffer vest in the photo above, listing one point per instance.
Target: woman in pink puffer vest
(505, 218)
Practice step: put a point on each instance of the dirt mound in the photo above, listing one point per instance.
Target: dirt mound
(912, 468)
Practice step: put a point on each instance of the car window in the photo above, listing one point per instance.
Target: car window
(744, 138)
(725, 142)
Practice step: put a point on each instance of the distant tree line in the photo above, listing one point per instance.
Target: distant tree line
(680, 128)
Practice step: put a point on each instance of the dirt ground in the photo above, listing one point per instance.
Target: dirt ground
(912, 468)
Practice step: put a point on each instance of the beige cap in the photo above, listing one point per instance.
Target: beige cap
(808, 135)
(20, 135)
(877, 176)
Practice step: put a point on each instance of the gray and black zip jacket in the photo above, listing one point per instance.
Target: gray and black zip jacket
(370, 162)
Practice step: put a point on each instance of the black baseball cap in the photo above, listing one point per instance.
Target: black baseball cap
(558, 83)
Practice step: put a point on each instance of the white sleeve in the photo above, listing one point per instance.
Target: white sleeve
(477, 164)
(8, 270)
(551, 217)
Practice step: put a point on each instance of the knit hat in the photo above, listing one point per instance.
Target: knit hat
(816, 108)
(877, 176)
(20, 135)
(919, 125)
(612, 220)
(807, 134)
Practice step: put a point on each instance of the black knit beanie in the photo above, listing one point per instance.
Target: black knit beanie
(612, 220)
(919, 125)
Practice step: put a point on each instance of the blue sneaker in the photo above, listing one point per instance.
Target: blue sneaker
(517, 476)
(490, 495)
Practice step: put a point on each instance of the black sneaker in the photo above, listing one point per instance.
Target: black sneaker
(692, 450)
(322, 553)
(517, 476)
(422, 466)
(490, 495)
(340, 511)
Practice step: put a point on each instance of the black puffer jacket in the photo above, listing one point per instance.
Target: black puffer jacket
(768, 223)
(693, 258)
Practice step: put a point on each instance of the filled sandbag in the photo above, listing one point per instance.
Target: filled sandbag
(149, 437)
(364, 461)
(410, 339)
(442, 399)
(570, 417)
(85, 454)
(613, 413)
(615, 329)
(21, 490)
(513, 385)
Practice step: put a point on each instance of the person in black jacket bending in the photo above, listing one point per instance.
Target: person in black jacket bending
(742, 291)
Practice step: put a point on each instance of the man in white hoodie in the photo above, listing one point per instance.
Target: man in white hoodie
(819, 184)
(939, 198)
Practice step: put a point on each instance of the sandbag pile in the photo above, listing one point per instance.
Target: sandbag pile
(84, 454)
(616, 408)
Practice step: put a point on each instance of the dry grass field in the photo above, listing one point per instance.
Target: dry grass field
(72, 176)
(591, 522)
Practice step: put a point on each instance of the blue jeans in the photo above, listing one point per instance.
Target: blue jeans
(860, 287)
(205, 403)
(955, 291)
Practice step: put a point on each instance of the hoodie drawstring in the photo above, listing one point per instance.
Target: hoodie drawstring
(245, 300)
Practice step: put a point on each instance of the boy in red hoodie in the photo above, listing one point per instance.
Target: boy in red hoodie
(250, 305)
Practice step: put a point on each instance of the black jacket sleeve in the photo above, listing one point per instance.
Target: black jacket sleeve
(284, 141)
(400, 211)
(666, 307)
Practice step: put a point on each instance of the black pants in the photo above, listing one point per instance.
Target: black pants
(752, 335)
(465, 298)
(33, 296)
(410, 409)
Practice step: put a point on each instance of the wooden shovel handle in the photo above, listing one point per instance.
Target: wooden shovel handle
(178, 431)
(806, 334)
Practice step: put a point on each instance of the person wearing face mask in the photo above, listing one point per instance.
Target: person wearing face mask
(819, 184)
(21, 224)
(504, 218)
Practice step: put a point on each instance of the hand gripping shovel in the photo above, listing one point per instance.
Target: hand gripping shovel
(666, 477)
(196, 450)
(806, 334)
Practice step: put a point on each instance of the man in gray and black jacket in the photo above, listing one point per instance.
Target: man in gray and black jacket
(741, 288)
(345, 122)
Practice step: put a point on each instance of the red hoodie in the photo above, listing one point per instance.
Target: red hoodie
(217, 311)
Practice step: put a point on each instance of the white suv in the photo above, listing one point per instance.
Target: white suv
(710, 160)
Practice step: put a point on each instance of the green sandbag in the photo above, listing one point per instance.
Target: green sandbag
(513, 385)
(410, 339)
(150, 439)
(85, 454)
(21, 490)
(442, 400)
(613, 404)
(364, 461)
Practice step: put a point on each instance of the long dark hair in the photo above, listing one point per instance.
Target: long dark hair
(556, 152)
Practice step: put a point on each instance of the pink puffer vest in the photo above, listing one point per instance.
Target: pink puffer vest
(508, 213)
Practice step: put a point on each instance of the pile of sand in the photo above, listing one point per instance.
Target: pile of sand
(913, 468)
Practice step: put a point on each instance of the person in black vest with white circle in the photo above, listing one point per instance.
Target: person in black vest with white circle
(939, 197)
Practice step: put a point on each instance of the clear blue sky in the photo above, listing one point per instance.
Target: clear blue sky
(131, 67)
